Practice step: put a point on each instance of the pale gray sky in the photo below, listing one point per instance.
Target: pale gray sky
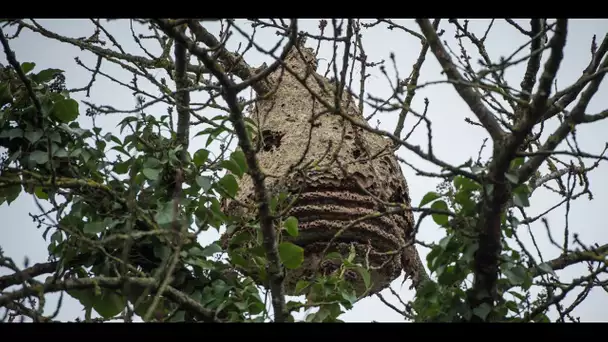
(454, 140)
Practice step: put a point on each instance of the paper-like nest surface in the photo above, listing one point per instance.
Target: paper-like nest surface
(331, 196)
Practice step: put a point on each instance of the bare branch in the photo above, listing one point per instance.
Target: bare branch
(539, 101)
(576, 116)
(182, 98)
(564, 98)
(110, 283)
(233, 63)
(467, 93)
(595, 254)
(107, 53)
(527, 84)
(413, 83)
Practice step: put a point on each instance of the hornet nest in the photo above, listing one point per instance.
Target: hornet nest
(336, 172)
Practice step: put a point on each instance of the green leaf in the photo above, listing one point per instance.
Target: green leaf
(46, 106)
(514, 222)
(516, 275)
(432, 256)
(11, 193)
(151, 163)
(542, 318)
(518, 295)
(461, 182)
(469, 252)
(40, 193)
(238, 260)
(66, 110)
(143, 307)
(33, 135)
(333, 256)
(351, 254)
(40, 157)
(46, 75)
(75, 152)
(162, 252)
(512, 178)
(511, 305)
(229, 184)
(239, 157)
(94, 227)
(429, 197)
(440, 219)
(212, 249)
(200, 157)
(179, 316)
(122, 167)
(464, 199)
(232, 166)
(204, 182)
(443, 243)
(109, 304)
(86, 297)
(213, 134)
(449, 276)
(86, 156)
(11, 133)
(58, 152)
(27, 67)
(351, 297)
(291, 255)
(517, 162)
(121, 150)
(521, 200)
(365, 275)
(5, 94)
(482, 311)
(301, 285)
(57, 237)
(151, 174)
(545, 267)
(427, 289)
(165, 214)
(55, 136)
(291, 225)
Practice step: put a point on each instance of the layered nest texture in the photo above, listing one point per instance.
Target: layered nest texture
(341, 176)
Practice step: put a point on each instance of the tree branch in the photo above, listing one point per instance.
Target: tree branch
(107, 53)
(467, 93)
(28, 273)
(275, 269)
(112, 283)
(527, 84)
(412, 84)
(575, 117)
(563, 98)
(594, 254)
(556, 299)
(539, 101)
(182, 97)
(233, 63)
(21, 309)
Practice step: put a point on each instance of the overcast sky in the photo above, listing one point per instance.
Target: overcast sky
(454, 140)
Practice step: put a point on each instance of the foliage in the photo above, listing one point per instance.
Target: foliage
(122, 211)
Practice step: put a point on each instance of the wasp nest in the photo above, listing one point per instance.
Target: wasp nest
(338, 173)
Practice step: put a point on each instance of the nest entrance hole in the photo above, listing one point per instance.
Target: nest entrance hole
(271, 139)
